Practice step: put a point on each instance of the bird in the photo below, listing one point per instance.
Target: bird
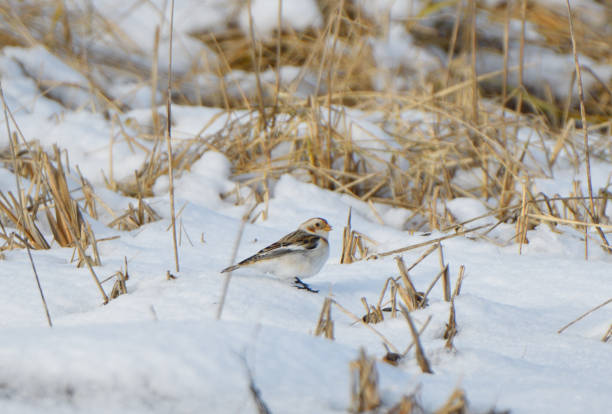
(299, 254)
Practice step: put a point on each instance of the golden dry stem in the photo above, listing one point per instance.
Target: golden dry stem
(325, 324)
(456, 404)
(120, 285)
(608, 335)
(373, 313)
(364, 384)
(133, 218)
(451, 327)
(419, 352)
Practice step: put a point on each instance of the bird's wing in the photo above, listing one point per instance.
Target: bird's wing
(299, 240)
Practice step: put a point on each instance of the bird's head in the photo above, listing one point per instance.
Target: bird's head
(317, 226)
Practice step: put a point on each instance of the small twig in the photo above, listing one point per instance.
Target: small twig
(445, 276)
(325, 324)
(423, 256)
(42, 296)
(429, 318)
(584, 315)
(432, 241)
(169, 141)
(433, 283)
(261, 405)
(420, 355)
(457, 289)
(607, 335)
(228, 275)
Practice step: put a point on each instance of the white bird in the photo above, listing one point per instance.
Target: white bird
(299, 254)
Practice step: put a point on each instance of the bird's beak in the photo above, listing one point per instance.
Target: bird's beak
(327, 227)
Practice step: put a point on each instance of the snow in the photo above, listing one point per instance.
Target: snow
(161, 349)
(294, 15)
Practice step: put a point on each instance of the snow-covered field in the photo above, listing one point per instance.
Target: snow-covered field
(160, 347)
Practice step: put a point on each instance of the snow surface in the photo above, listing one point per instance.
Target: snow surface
(160, 348)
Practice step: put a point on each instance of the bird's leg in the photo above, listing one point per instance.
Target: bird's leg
(301, 285)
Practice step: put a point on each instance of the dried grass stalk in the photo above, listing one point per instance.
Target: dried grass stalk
(407, 292)
(346, 257)
(608, 335)
(601, 305)
(133, 218)
(521, 223)
(325, 324)
(445, 275)
(419, 353)
(407, 405)
(451, 327)
(24, 220)
(364, 384)
(457, 289)
(456, 404)
(352, 244)
(120, 286)
(373, 313)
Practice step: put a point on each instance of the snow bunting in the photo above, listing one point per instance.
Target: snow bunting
(301, 253)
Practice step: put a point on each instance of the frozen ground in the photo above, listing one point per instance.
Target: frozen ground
(160, 348)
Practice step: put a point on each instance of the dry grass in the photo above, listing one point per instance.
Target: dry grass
(364, 384)
(133, 218)
(120, 286)
(608, 335)
(467, 135)
(325, 324)
(468, 145)
(353, 245)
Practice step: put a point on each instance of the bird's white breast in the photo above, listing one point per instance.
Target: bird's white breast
(302, 263)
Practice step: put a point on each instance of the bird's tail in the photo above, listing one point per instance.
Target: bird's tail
(230, 269)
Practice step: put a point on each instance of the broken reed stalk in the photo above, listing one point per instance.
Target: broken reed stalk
(346, 257)
(352, 241)
(521, 223)
(373, 313)
(40, 291)
(451, 327)
(325, 324)
(364, 384)
(445, 275)
(456, 404)
(587, 153)
(408, 292)
(419, 353)
(607, 335)
(601, 305)
(168, 135)
(120, 285)
(457, 289)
